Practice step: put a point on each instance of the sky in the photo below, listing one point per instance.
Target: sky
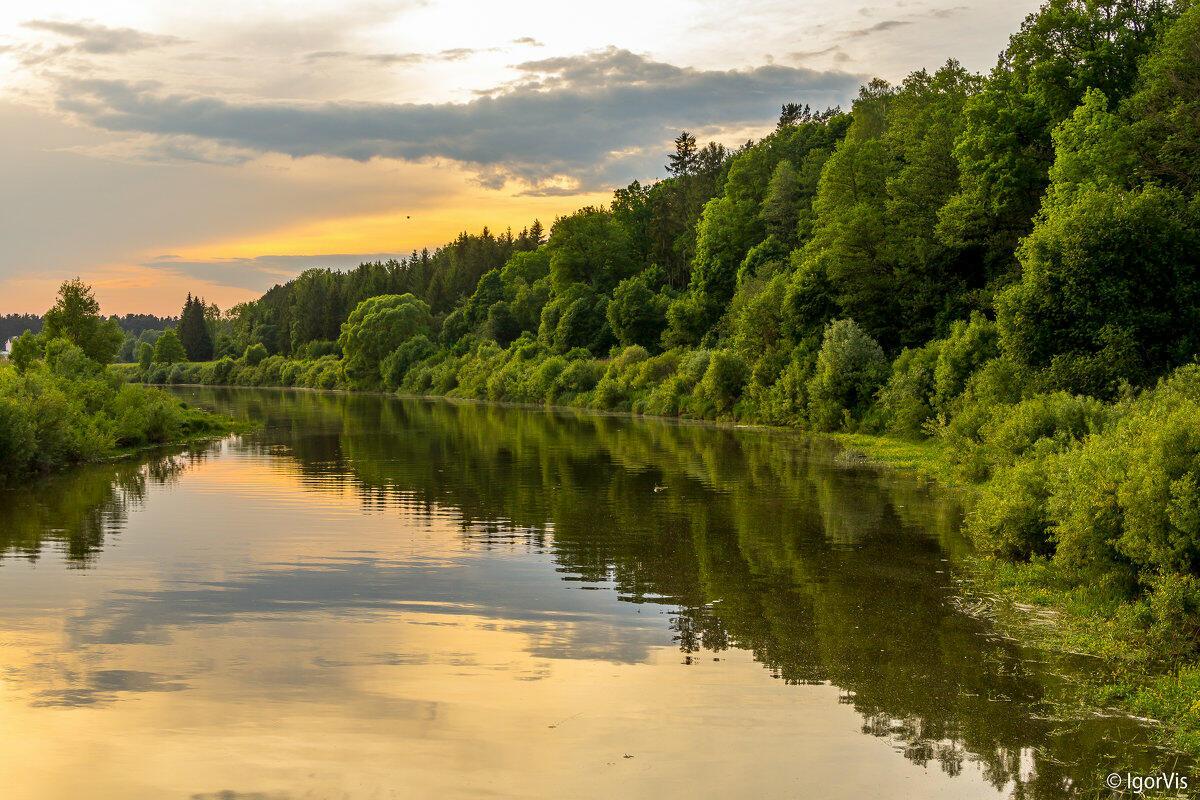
(219, 148)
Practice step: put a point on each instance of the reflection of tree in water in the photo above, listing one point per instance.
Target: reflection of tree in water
(755, 539)
(76, 511)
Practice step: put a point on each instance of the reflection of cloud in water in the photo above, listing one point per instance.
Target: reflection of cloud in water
(103, 687)
(579, 625)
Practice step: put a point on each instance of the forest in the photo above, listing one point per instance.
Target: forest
(1002, 268)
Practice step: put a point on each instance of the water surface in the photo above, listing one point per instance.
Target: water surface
(377, 598)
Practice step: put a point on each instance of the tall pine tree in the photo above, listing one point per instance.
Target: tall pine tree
(193, 330)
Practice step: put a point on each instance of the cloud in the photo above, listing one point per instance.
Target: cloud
(102, 40)
(261, 272)
(528, 41)
(878, 27)
(391, 59)
(594, 119)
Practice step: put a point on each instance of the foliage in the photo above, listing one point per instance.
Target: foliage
(76, 318)
(168, 349)
(850, 368)
(376, 327)
(193, 330)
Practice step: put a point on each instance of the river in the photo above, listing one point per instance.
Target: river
(370, 597)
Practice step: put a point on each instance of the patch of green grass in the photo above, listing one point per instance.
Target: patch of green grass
(925, 459)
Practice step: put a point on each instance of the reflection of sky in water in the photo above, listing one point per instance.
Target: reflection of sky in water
(258, 623)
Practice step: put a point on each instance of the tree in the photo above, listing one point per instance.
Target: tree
(780, 210)
(145, 356)
(76, 318)
(168, 349)
(1166, 107)
(1005, 151)
(1110, 290)
(27, 348)
(636, 314)
(590, 247)
(193, 330)
(851, 367)
(376, 327)
(683, 160)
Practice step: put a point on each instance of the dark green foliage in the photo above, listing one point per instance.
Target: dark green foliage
(637, 313)
(1166, 108)
(577, 317)
(255, 354)
(1109, 290)
(193, 331)
(401, 360)
(501, 323)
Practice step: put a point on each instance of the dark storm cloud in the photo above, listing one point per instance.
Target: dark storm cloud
(588, 117)
(100, 39)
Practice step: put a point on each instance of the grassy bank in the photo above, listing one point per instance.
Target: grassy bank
(62, 408)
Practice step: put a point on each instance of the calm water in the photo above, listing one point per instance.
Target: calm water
(376, 598)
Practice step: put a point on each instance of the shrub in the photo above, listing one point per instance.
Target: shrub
(850, 368)
(255, 354)
(722, 382)
(983, 438)
(906, 402)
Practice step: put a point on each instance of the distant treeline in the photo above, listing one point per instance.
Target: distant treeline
(133, 324)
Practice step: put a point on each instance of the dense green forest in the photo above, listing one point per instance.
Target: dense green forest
(1005, 266)
(61, 404)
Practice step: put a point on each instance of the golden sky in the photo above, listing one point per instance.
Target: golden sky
(158, 148)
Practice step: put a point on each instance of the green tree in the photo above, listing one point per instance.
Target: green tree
(76, 318)
(1110, 290)
(851, 367)
(168, 349)
(636, 313)
(589, 247)
(1005, 151)
(376, 327)
(145, 356)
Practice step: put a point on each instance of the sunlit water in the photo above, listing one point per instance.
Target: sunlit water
(379, 598)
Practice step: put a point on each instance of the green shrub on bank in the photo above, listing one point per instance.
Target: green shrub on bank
(65, 408)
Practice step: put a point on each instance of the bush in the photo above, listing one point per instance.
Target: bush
(722, 383)
(850, 368)
(906, 402)
(255, 354)
(983, 438)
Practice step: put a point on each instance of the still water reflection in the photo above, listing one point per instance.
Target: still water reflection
(375, 598)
